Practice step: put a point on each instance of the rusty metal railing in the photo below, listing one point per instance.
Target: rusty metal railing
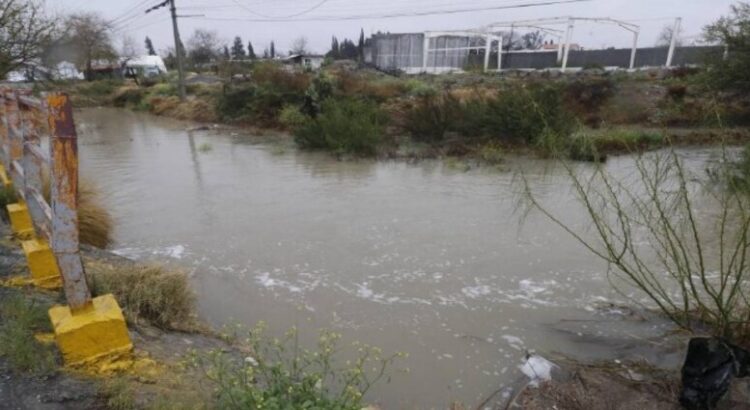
(25, 163)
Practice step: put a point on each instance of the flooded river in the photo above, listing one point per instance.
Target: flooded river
(426, 258)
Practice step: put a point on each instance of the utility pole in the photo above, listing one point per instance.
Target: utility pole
(178, 51)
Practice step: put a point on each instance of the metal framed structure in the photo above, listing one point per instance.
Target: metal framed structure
(551, 26)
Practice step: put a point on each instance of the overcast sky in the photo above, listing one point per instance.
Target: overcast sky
(318, 20)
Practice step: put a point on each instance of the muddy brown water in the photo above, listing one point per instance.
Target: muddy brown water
(428, 258)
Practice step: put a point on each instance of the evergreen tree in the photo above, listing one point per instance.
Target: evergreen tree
(348, 50)
(361, 45)
(273, 50)
(226, 53)
(150, 47)
(250, 52)
(334, 53)
(266, 55)
(238, 50)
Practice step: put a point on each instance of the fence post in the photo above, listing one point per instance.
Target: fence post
(11, 121)
(63, 156)
(18, 213)
(41, 260)
(87, 329)
(3, 131)
(32, 169)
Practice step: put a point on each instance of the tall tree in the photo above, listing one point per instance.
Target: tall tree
(150, 47)
(88, 36)
(250, 51)
(227, 55)
(203, 46)
(361, 45)
(334, 53)
(348, 50)
(238, 50)
(299, 46)
(273, 50)
(24, 31)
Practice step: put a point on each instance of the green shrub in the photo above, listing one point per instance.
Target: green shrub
(100, 88)
(19, 319)
(321, 88)
(291, 117)
(491, 153)
(232, 103)
(733, 72)
(259, 104)
(432, 116)
(164, 89)
(590, 94)
(583, 148)
(282, 375)
(348, 126)
(526, 114)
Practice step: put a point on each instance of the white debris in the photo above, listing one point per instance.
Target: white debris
(537, 369)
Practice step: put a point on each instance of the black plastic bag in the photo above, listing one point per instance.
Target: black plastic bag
(709, 367)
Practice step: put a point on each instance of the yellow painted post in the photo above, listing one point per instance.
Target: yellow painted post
(20, 220)
(3, 137)
(87, 329)
(40, 259)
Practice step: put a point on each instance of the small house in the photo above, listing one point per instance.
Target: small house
(306, 61)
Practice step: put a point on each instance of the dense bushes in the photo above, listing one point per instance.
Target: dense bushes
(344, 126)
(432, 117)
(261, 103)
(514, 115)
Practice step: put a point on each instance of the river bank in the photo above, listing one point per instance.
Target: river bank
(589, 116)
(155, 377)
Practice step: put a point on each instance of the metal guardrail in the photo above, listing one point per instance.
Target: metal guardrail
(25, 162)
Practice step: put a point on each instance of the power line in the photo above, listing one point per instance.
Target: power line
(397, 15)
(130, 13)
(313, 8)
(279, 11)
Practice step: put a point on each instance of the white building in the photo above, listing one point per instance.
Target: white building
(146, 66)
(307, 61)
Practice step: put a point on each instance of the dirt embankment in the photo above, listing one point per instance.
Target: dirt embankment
(155, 377)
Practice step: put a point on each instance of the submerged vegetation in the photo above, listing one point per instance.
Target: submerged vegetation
(283, 374)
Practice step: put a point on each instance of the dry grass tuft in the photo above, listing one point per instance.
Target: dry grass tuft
(193, 109)
(94, 220)
(154, 294)
(95, 223)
